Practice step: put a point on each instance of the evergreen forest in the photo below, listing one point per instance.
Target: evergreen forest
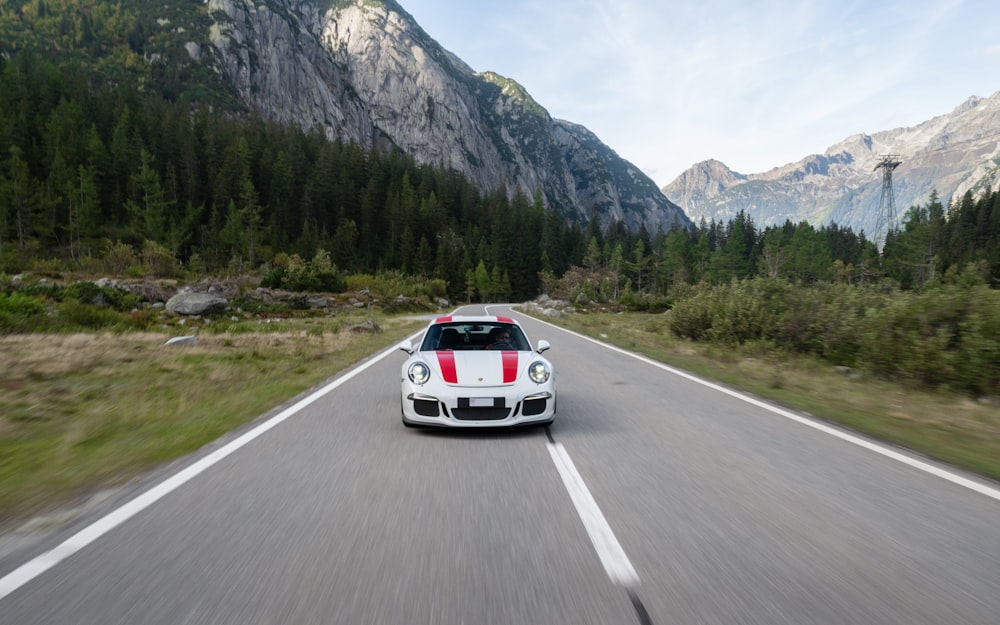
(87, 168)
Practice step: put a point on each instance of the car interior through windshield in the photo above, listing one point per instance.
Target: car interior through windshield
(465, 336)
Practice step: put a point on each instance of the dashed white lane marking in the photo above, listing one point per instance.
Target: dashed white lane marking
(35, 567)
(610, 551)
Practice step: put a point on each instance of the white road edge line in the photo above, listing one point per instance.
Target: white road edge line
(927, 467)
(38, 565)
(609, 550)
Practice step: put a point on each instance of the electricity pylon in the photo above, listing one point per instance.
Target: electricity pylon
(886, 219)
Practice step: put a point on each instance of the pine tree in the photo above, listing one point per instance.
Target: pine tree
(147, 205)
(18, 196)
(482, 282)
(84, 212)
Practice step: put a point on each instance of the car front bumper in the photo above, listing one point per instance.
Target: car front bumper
(479, 407)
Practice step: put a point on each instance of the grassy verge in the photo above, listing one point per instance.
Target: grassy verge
(79, 412)
(953, 428)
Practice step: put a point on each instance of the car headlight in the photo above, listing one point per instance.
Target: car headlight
(419, 373)
(539, 372)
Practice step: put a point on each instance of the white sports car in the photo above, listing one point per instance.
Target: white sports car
(477, 371)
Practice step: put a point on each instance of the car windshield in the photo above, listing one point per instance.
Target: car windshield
(474, 336)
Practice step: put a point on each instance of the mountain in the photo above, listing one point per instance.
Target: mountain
(951, 154)
(365, 71)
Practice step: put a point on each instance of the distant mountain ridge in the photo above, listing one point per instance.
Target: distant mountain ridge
(365, 71)
(951, 153)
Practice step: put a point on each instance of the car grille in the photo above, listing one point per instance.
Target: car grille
(480, 414)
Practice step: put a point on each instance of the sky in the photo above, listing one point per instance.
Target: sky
(755, 84)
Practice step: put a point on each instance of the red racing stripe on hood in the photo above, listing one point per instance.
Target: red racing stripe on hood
(446, 360)
(509, 366)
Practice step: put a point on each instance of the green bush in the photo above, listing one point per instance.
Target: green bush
(86, 292)
(294, 274)
(948, 336)
(119, 257)
(644, 302)
(391, 284)
(827, 320)
(44, 290)
(733, 314)
(978, 369)
(142, 318)
(798, 327)
(159, 260)
(73, 315)
(692, 317)
(10, 261)
(436, 288)
(750, 310)
(837, 332)
(19, 312)
(47, 266)
(970, 326)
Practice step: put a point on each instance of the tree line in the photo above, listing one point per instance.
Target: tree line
(89, 165)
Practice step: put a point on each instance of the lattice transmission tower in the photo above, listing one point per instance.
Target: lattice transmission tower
(886, 219)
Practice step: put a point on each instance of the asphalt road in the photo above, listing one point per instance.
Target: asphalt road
(652, 499)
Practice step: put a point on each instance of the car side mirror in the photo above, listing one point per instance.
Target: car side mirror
(542, 346)
(407, 347)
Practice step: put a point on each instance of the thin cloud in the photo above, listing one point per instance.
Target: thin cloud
(755, 85)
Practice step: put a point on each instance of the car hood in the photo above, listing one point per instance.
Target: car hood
(479, 368)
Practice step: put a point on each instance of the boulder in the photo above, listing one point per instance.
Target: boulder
(188, 303)
(368, 326)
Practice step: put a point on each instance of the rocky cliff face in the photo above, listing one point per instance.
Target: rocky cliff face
(951, 154)
(365, 71)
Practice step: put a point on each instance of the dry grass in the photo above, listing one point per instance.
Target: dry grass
(954, 428)
(80, 412)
